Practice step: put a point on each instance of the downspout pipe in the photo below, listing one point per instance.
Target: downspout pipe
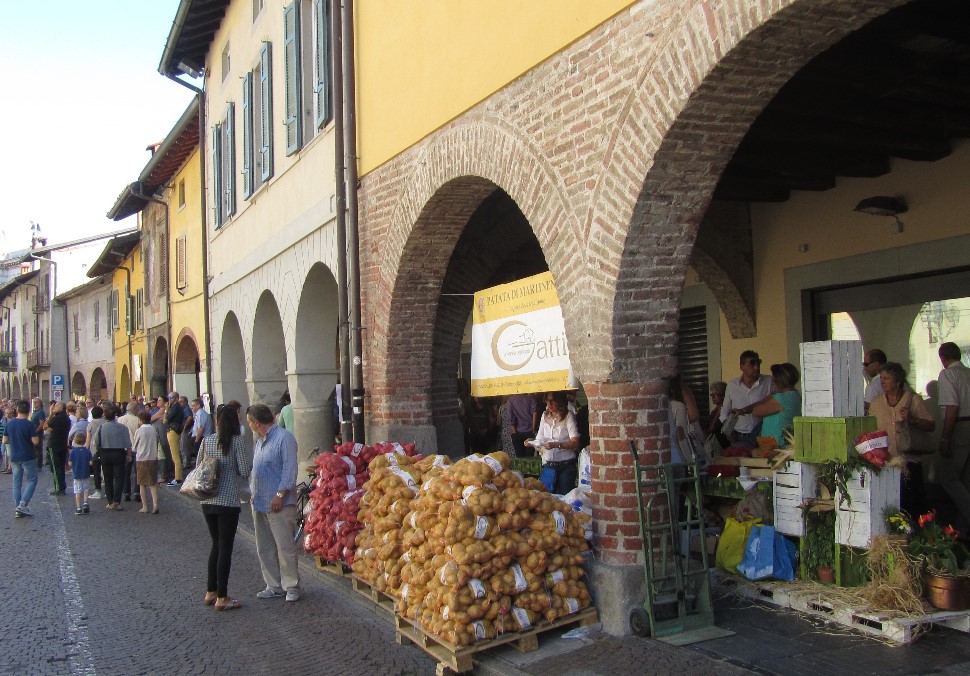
(347, 63)
(206, 327)
(346, 425)
(131, 322)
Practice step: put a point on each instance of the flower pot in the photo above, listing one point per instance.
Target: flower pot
(947, 593)
(826, 574)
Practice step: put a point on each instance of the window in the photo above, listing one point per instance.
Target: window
(181, 193)
(263, 110)
(225, 62)
(115, 310)
(23, 335)
(257, 8)
(248, 175)
(97, 319)
(180, 281)
(229, 161)
(292, 81)
(77, 331)
(323, 63)
(140, 310)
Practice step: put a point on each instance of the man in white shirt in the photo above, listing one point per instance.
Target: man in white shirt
(954, 401)
(131, 421)
(740, 397)
(872, 361)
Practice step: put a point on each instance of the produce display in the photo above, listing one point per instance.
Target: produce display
(470, 550)
(332, 512)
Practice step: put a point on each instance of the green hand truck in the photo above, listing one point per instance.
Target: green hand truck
(678, 587)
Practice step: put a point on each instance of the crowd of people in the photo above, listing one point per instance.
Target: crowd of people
(128, 450)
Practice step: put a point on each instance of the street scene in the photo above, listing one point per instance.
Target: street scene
(498, 337)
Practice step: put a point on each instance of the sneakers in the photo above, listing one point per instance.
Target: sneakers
(97, 495)
(78, 511)
(272, 594)
(292, 595)
(87, 510)
(174, 482)
(23, 510)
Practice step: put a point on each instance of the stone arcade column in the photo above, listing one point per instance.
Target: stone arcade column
(621, 413)
(267, 391)
(312, 412)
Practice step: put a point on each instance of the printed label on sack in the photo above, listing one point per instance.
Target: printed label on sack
(478, 589)
(556, 577)
(414, 519)
(481, 528)
(572, 605)
(351, 481)
(442, 576)
(406, 557)
(519, 477)
(479, 631)
(350, 464)
(348, 496)
(521, 584)
(465, 494)
(391, 459)
(337, 526)
(306, 542)
(474, 457)
(427, 484)
(560, 521)
(521, 617)
(493, 463)
(439, 461)
(404, 590)
(357, 449)
(406, 478)
(445, 613)
(398, 448)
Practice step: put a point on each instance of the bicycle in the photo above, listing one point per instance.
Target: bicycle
(303, 490)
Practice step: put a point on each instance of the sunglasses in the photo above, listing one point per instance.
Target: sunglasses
(754, 362)
(868, 363)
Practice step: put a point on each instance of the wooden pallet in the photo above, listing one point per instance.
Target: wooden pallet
(461, 659)
(380, 599)
(338, 568)
(809, 598)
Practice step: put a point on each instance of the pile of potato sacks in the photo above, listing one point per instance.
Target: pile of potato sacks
(470, 550)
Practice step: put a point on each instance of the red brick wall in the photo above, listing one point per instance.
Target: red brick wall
(611, 149)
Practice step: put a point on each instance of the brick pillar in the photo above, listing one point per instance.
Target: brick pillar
(621, 413)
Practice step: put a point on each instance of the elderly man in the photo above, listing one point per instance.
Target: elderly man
(872, 362)
(131, 421)
(273, 487)
(954, 402)
(201, 425)
(57, 425)
(741, 395)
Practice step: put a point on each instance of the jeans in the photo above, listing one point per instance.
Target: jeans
(57, 457)
(19, 468)
(222, 528)
(276, 549)
(96, 473)
(113, 466)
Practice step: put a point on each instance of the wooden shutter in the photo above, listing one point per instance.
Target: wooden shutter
(180, 281)
(229, 158)
(140, 310)
(97, 319)
(323, 62)
(692, 356)
(217, 175)
(116, 309)
(292, 66)
(247, 132)
(266, 112)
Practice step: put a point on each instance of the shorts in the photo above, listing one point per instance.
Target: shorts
(82, 485)
(147, 472)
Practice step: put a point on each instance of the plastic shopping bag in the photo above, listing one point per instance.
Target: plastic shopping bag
(786, 554)
(730, 548)
(758, 561)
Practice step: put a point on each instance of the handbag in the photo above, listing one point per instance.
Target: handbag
(909, 438)
(203, 481)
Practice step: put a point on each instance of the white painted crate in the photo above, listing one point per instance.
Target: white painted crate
(857, 523)
(832, 381)
(794, 483)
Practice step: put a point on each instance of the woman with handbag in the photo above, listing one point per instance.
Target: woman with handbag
(903, 416)
(222, 510)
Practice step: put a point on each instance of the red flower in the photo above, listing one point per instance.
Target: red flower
(927, 518)
(950, 530)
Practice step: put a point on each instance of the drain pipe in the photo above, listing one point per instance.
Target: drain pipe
(346, 426)
(206, 328)
(353, 224)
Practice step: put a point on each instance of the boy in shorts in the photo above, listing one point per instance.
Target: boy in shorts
(80, 463)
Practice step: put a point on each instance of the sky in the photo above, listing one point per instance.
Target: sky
(82, 101)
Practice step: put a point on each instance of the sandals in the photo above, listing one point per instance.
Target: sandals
(231, 604)
(209, 600)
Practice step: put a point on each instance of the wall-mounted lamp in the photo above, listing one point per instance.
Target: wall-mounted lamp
(882, 205)
(189, 68)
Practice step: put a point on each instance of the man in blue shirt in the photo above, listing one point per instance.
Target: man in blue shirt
(273, 487)
(21, 435)
(201, 425)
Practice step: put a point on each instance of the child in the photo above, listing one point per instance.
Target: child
(80, 463)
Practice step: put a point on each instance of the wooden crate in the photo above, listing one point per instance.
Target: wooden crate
(461, 659)
(382, 600)
(527, 466)
(857, 522)
(794, 483)
(832, 380)
(821, 439)
(338, 568)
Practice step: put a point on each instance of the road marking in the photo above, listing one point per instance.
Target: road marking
(81, 661)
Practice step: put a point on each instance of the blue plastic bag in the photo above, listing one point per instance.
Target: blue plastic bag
(785, 556)
(547, 475)
(759, 554)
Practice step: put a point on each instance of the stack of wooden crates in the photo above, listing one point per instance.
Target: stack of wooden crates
(832, 404)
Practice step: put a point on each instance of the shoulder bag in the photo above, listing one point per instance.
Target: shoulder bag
(202, 482)
(910, 439)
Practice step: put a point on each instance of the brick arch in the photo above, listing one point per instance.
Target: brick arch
(456, 170)
(187, 354)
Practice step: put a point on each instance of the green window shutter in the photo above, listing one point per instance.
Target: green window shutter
(247, 131)
(217, 202)
(266, 111)
(292, 65)
(229, 154)
(324, 62)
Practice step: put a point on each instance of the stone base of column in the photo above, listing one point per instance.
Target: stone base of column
(616, 589)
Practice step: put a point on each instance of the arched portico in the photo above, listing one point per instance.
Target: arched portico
(99, 386)
(232, 364)
(185, 376)
(268, 381)
(159, 381)
(78, 386)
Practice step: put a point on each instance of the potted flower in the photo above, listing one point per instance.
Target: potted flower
(899, 527)
(946, 563)
(819, 547)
